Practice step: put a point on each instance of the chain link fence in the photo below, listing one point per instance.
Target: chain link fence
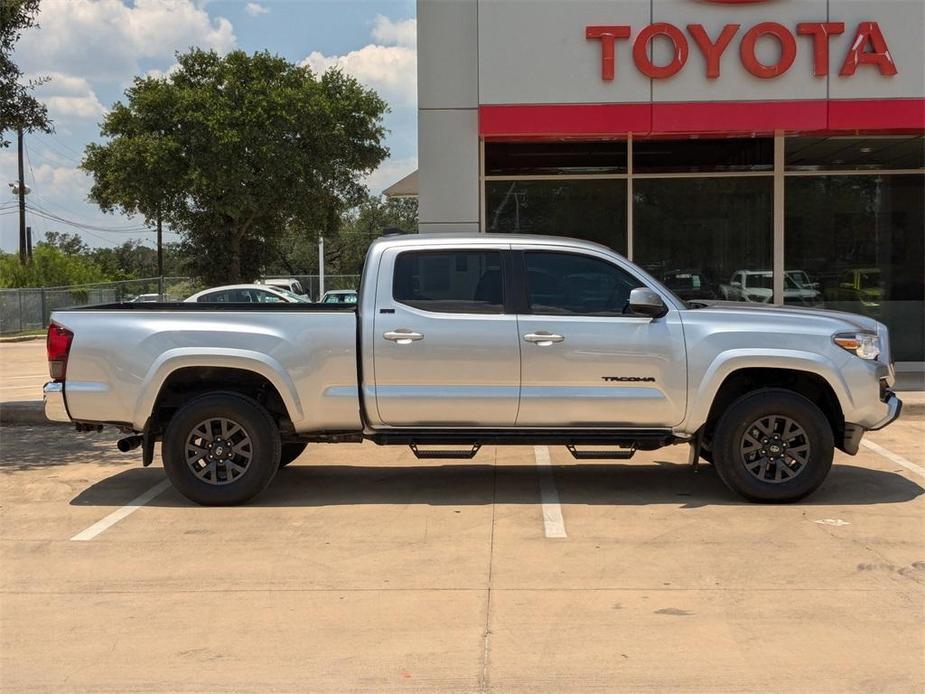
(29, 308)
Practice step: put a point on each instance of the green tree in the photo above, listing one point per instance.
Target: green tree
(363, 225)
(50, 267)
(345, 250)
(235, 150)
(18, 108)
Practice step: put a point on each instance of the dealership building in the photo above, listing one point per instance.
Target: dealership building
(749, 150)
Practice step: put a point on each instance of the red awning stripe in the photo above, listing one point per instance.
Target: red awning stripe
(693, 118)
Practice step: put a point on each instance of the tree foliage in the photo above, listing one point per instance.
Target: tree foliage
(345, 250)
(237, 150)
(18, 108)
(64, 259)
(50, 267)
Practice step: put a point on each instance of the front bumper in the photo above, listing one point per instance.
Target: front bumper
(894, 408)
(855, 432)
(55, 409)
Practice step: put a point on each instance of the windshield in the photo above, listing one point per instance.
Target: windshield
(760, 281)
(292, 296)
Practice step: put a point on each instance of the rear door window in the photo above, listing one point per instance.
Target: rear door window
(450, 281)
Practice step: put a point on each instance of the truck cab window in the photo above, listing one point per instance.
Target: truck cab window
(450, 281)
(572, 284)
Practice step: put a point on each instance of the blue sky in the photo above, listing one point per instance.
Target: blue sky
(92, 49)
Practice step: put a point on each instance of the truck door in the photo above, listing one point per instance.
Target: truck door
(585, 361)
(446, 352)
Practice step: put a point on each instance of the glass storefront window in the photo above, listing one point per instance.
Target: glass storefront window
(854, 153)
(544, 158)
(587, 209)
(858, 244)
(706, 238)
(685, 156)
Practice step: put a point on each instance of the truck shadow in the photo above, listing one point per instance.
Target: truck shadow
(479, 484)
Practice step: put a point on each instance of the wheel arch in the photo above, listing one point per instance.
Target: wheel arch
(181, 374)
(810, 384)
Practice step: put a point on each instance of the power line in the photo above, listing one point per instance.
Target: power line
(86, 227)
(29, 161)
(60, 210)
(74, 158)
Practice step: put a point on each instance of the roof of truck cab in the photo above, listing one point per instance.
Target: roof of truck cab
(487, 239)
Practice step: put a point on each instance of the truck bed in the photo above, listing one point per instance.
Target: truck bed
(123, 354)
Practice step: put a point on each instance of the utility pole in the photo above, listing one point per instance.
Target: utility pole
(22, 201)
(29, 243)
(320, 268)
(160, 256)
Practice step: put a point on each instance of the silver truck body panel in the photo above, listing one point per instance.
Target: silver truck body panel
(464, 371)
(470, 370)
(119, 361)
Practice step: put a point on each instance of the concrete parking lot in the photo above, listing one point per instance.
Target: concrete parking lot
(362, 568)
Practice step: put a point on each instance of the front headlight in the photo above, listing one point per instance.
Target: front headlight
(864, 345)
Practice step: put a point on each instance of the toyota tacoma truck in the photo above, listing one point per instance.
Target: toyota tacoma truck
(464, 340)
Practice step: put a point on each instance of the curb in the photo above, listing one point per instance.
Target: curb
(27, 413)
(20, 338)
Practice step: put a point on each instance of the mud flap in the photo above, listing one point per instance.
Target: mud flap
(147, 444)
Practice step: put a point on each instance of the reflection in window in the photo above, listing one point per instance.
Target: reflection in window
(573, 284)
(855, 153)
(450, 281)
(537, 158)
(594, 210)
(706, 238)
(862, 249)
(666, 156)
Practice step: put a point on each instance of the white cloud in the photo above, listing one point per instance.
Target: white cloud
(255, 8)
(69, 97)
(106, 39)
(401, 33)
(389, 69)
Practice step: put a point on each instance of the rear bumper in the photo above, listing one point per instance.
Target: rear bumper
(55, 409)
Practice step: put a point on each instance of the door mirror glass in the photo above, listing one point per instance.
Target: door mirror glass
(645, 302)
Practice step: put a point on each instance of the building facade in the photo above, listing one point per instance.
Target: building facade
(740, 149)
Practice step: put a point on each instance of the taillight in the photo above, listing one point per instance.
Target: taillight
(58, 344)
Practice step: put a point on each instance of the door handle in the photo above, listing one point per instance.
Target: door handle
(402, 336)
(543, 338)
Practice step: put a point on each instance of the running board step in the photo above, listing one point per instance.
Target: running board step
(618, 454)
(438, 454)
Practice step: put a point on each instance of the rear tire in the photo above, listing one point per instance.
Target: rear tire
(290, 452)
(221, 449)
(773, 445)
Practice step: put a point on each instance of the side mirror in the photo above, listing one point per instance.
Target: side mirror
(736, 283)
(645, 302)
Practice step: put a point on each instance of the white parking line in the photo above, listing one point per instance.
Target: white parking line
(890, 455)
(553, 523)
(116, 516)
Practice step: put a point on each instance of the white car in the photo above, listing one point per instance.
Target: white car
(247, 294)
(758, 286)
(290, 285)
(340, 296)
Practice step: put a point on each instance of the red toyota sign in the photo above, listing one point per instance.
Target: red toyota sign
(868, 47)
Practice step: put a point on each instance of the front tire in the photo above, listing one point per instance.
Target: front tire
(773, 445)
(221, 449)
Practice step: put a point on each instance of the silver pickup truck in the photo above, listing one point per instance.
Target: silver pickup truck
(461, 341)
